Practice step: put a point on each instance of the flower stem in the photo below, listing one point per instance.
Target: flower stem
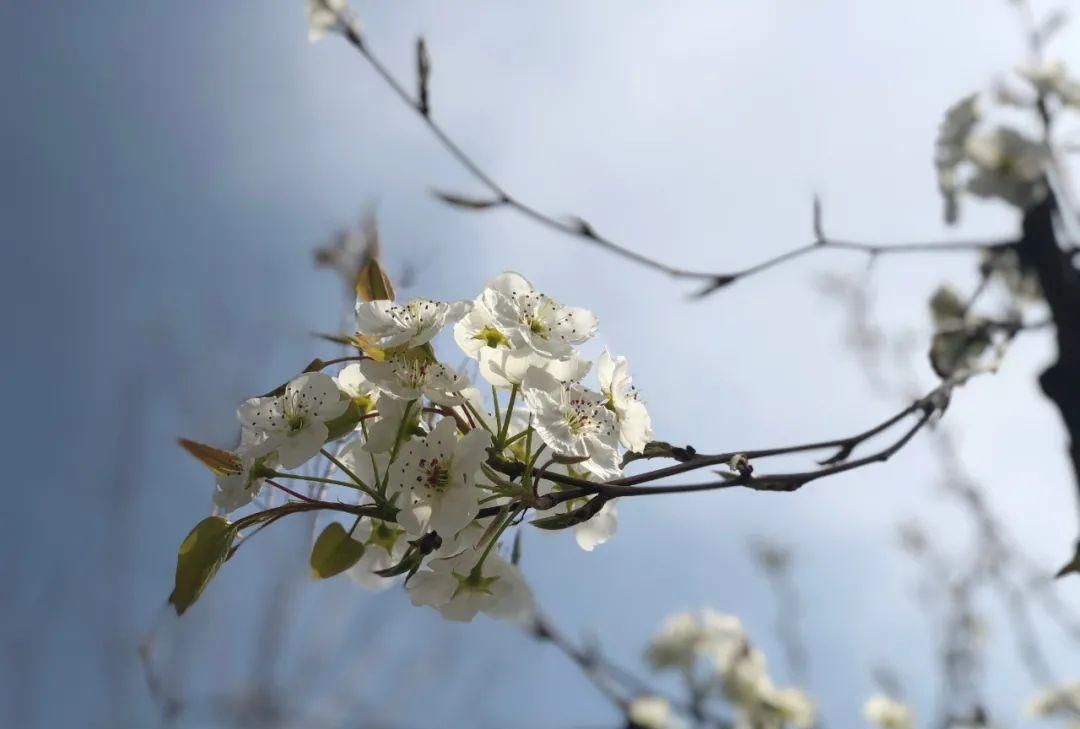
(501, 442)
(495, 406)
(356, 483)
(479, 418)
(476, 571)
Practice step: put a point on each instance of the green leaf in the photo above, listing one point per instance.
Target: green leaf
(201, 554)
(334, 552)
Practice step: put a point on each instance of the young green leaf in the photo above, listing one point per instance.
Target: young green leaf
(201, 554)
(334, 552)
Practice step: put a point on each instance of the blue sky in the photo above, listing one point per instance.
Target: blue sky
(175, 164)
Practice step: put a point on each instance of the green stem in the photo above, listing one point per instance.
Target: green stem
(401, 432)
(356, 483)
(479, 418)
(501, 442)
(516, 437)
(359, 483)
(526, 477)
(495, 406)
(476, 571)
(374, 468)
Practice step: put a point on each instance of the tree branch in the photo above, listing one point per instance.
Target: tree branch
(577, 227)
(1060, 281)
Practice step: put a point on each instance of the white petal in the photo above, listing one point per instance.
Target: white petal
(314, 395)
(300, 446)
(598, 529)
(262, 414)
(430, 588)
(456, 508)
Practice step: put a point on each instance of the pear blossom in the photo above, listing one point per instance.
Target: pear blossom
(888, 713)
(449, 586)
(1061, 701)
(1050, 77)
(685, 638)
(385, 545)
(531, 320)
(503, 368)
(325, 16)
(410, 377)
(360, 390)
(635, 426)
(237, 489)
(383, 431)
(385, 542)
(588, 534)
(573, 422)
(388, 324)
(479, 329)
(651, 712)
(1008, 165)
(438, 478)
(960, 120)
(294, 423)
(601, 527)
(793, 706)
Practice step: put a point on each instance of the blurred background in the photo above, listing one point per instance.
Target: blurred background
(170, 169)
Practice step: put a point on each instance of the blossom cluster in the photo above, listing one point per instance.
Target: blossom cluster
(444, 470)
(716, 658)
(987, 146)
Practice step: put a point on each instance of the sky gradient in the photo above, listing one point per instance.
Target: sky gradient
(171, 167)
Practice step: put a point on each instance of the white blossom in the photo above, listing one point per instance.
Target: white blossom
(235, 490)
(293, 424)
(635, 426)
(325, 16)
(408, 378)
(382, 432)
(449, 585)
(385, 544)
(1050, 77)
(597, 530)
(573, 422)
(652, 712)
(504, 368)
(360, 390)
(479, 330)
(960, 120)
(1008, 165)
(793, 706)
(438, 478)
(1061, 701)
(888, 713)
(387, 324)
(685, 638)
(534, 321)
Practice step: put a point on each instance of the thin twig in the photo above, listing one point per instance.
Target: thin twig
(577, 227)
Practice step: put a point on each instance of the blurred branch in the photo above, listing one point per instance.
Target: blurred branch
(775, 562)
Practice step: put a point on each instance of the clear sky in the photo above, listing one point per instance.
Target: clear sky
(169, 168)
